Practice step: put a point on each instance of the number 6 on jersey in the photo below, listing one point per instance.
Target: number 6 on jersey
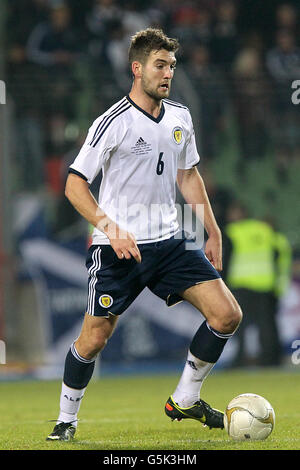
(160, 164)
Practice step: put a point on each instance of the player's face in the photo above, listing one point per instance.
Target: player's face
(157, 74)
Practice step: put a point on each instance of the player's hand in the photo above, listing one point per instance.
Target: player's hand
(123, 243)
(213, 250)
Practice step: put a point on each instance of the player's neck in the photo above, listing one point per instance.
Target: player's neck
(148, 104)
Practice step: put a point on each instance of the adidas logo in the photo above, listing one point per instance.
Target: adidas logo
(141, 141)
(192, 365)
(141, 147)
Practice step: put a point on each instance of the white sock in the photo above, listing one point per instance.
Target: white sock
(70, 400)
(191, 380)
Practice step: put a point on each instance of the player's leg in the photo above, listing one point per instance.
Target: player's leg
(94, 334)
(217, 303)
(79, 368)
(222, 317)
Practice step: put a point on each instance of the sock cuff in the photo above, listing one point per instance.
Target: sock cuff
(192, 358)
(218, 334)
(208, 343)
(80, 358)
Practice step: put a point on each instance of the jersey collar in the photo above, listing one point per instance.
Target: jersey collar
(159, 117)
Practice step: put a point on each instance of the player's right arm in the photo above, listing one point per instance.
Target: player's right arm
(78, 193)
(102, 138)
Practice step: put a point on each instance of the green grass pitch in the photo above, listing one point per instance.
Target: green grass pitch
(127, 413)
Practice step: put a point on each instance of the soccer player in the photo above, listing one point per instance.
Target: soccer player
(144, 144)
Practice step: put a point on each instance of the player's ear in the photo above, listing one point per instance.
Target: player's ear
(136, 68)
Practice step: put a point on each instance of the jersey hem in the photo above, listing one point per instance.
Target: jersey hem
(105, 241)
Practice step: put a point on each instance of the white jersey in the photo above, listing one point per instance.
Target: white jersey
(139, 156)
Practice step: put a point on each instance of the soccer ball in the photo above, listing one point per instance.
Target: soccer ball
(249, 416)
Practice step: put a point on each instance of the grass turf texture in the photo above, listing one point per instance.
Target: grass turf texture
(127, 413)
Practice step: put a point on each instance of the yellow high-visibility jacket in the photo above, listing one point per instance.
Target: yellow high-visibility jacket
(260, 258)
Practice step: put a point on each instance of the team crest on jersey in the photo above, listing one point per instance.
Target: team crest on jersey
(177, 135)
(106, 301)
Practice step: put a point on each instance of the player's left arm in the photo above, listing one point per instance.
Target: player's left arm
(192, 188)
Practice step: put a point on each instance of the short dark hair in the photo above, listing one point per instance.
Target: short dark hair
(150, 39)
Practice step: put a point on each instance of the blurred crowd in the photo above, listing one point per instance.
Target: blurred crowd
(67, 63)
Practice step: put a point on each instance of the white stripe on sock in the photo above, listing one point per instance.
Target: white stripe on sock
(218, 334)
(80, 358)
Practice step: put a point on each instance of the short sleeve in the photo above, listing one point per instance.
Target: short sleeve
(189, 156)
(95, 151)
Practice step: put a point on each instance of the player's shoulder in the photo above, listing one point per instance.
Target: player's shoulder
(177, 108)
(174, 104)
(180, 110)
(115, 111)
(113, 118)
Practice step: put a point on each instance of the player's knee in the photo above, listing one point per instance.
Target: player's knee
(91, 344)
(229, 319)
(98, 341)
(235, 318)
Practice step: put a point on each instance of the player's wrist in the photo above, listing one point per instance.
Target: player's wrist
(114, 232)
(215, 234)
(111, 230)
(103, 224)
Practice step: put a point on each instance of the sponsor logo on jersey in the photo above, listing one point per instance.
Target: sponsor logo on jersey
(141, 147)
(177, 135)
(140, 141)
(106, 301)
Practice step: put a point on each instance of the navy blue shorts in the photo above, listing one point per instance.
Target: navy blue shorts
(168, 268)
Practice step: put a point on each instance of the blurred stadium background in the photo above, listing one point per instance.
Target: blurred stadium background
(63, 64)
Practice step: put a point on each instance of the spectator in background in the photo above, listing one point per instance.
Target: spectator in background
(98, 23)
(191, 23)
(67, 221)
(100, 16)
(283, 64)
(208, 82)
(133, 18)
(225, 42)
(158, 15)
(252, 103)
(101, 22)
(23, 15)
(220, 196)
(166, 8)
(119, 37)
(256, 267)
(24, 86)
(283, 61)
(110, 26)
(55, 50)
(53, 47)
(117, 48)
(203, 27)
(54, 43)
(286, 18)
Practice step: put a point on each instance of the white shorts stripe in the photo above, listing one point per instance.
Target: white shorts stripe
(93, 280)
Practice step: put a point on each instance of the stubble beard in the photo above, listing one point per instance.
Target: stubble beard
(153, 94)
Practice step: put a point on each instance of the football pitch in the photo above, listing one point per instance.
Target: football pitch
(127, 413)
